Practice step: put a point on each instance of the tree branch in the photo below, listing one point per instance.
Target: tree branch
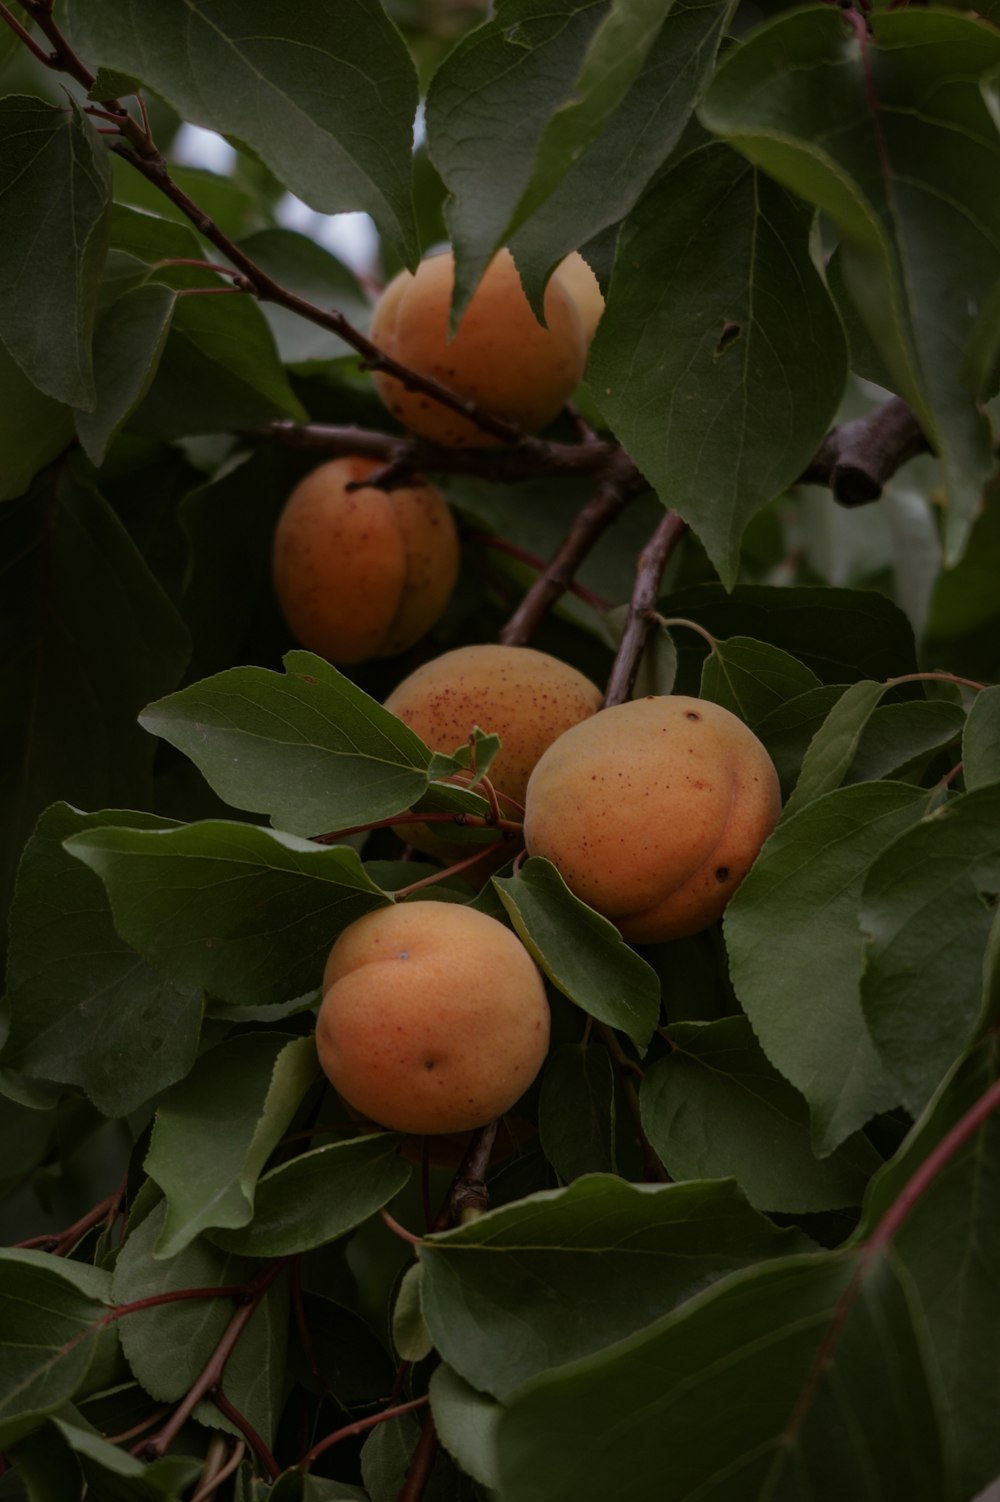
(858, 459)
(649, 571)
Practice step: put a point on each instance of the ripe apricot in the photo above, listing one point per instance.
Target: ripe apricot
(580, 281)
(501, 357)
(362, 573)
(653, 812)
(435, 1018)
(525, 697)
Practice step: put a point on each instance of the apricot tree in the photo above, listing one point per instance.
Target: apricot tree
(736, 1239)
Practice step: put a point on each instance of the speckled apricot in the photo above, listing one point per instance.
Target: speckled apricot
(435, 1019)
(580, 281)
(525, 697)
(653, 812)
(362, 573)
(501, 357)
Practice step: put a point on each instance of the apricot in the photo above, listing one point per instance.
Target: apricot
(525, 697)
(362, 573)
(435, 1019)
(653, 812)
(501, 357)
(580, 281)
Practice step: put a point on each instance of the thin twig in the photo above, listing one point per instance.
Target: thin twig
(248, 1431)
(360, 1426)
(421, 1464)
(211, 1485)
(649, 571)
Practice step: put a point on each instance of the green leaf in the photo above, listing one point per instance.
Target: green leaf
(583, 955)
(50, 1309)
(789, 729)
(801, 900)
(824, 1389)
(981, 741)
(466, 1423)
(319, 1196)
(215, 1131)
(324, 96)
(897, 735)
(576, 1111)
(948, 1246)
(841, 634)
(88, 637)
(835, 745)
(257, 1371)
(752, 678)
(218, 369)
(600, 182)
(308, 270)
(347, 1357)
(566, 1272)
(85, 1009)
(927, 908)
(309, 748)
(127, 348)
(248, 914)
(720, 360)
(55, 188)
(167, 1346)
(410, 1336)
(716, 1107)
(112, 1474)
(903, 167)
(33, 429)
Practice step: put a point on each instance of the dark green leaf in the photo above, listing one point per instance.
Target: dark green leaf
(308, 270)
(350, 1359)
(582, 954)
(576, 1111)
(50, 1309)
(246, 913)
(324, 95)
(127, 348)
(319, 1196)
(753, 678)
(720, 360)
(981, 741)
(257, 1371)
(88, 637)
(716, 1107)
(903, 166)
(835, 744)
(788, 730)
(215, 1131)
(85, 1009)
(899, 734)
(33, 429)
(218, 369)
(168, 1346)
(796, 953)
(55, 188)
(927, 907)
(309, 747)
(949, 1245)
(466, 1424)
(603, 181)
(841, 634)
(784, 1382)
(566, 1272)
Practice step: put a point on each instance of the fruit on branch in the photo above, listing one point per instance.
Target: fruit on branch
(578, 279)
(653, 812)
(435, 1018)
(525, 697)
(362, 573)
(501, 357)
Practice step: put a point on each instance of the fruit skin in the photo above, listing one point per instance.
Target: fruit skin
(525, 697)
(653, 812)
(500, 357)
(362, 573)
(580, 281)
(435, 1018)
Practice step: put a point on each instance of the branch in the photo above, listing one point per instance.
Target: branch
(421, 1464)
(649, 571)
(468, 1194)
(857, 459)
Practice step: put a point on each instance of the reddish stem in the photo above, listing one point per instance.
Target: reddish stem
(421, 1464)
(454, 870)
(25, 36)
(936, 678)
(501, 545)
(360, 1426)
(212, 1485)
(248, 1432)
(467, 821)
